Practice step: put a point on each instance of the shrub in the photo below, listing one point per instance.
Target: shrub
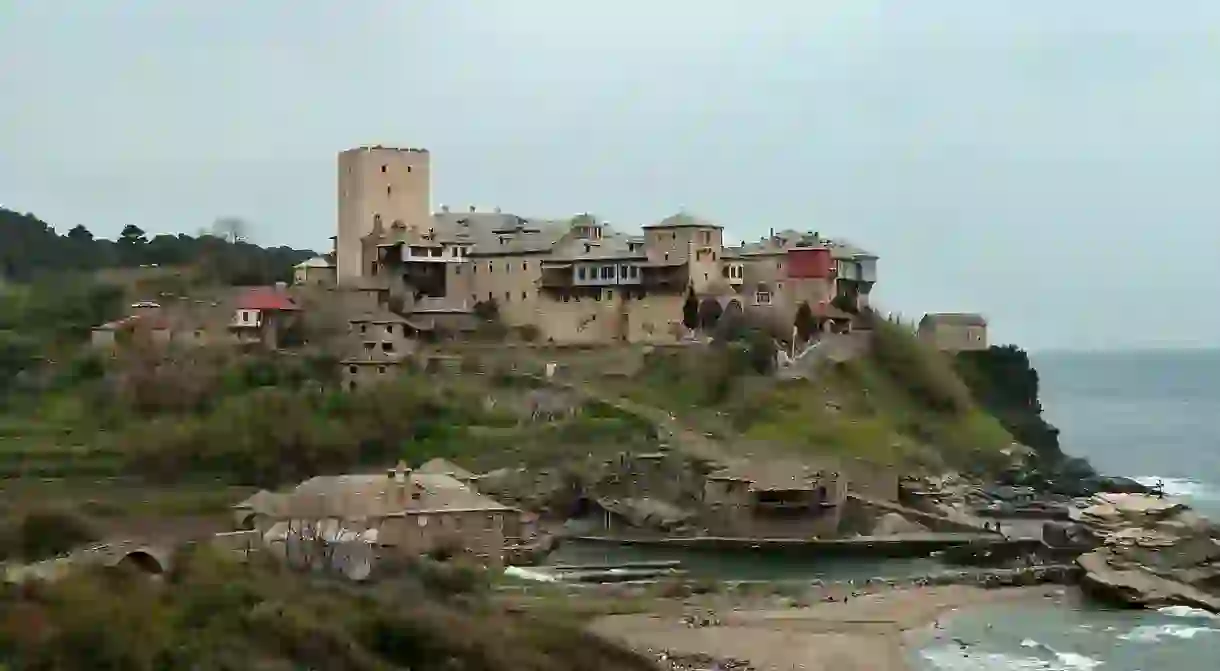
(925, 373)
(40, 534)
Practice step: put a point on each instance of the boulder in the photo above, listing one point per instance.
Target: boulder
(1150, 551)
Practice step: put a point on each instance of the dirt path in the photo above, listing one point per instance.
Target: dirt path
(863, 634)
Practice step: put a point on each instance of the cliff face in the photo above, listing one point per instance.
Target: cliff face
(1004, 382)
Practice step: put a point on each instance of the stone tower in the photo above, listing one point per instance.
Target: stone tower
(385, 185)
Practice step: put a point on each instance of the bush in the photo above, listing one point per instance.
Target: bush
(925, 373)
(41, 534)
(220, 614)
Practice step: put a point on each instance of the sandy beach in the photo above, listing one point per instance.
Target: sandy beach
(866, 633)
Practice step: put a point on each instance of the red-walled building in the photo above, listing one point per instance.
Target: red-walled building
(810, 263)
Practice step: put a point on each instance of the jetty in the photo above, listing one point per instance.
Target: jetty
(613, 572)
(897, 545)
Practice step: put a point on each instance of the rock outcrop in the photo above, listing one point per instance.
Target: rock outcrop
(1152, 551)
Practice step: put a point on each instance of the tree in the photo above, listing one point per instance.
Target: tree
(690, 310)
(80, 234)
(805, 324)
(231, 229)
(132, 236)
(845, 303)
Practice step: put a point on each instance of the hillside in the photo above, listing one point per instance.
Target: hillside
(54, 288)
(897, 403)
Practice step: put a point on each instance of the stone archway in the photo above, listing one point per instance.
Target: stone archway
(143, 562)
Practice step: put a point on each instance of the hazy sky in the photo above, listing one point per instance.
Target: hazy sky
(1053, 164)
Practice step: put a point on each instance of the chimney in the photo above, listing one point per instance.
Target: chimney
(445, 208)
(497, 209)
(472, 208)
(281, 287)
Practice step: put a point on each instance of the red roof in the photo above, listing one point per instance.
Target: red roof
(265, 298)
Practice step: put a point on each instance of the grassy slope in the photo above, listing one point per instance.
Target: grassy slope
(900, 403)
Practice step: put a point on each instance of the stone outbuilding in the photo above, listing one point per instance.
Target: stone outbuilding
(411, 513)
(776, 499)
(954, 331)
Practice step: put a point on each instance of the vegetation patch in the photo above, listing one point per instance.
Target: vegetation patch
(215, 613)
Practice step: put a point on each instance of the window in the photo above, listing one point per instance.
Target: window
(762, 297)
(381, 370)
(363, 328)
(490, 267)
(622, 271)
(389, 328)
(725, 271)
(389, 190)
(525, 265)
(474, 270)
(566, 298)
(607, 272)
(779, 285)
(507, 269)
(457, 270)
(522, 295)
(508, 296)
(373, 268)
(368, 347)
(352, 369)
(387, 347)
(666, 256)
(609, 294)
(376, 220)
(408, 168)
(580, 272)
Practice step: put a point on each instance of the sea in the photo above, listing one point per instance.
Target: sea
(1153, 416)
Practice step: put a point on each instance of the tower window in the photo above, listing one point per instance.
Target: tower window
(383, 168)
(408, 168)
(389, 190)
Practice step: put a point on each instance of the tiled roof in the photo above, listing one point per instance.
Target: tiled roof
(265, 298)
(683, 220)
(363, 496)
(954, 319)
(776, 475)
(156, 322)
(316, 262)
(380, 316)
(440, 466)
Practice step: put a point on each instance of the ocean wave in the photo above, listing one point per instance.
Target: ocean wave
(954, 658)
(1187, 611)
(1183, 487)
(1155, 633)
